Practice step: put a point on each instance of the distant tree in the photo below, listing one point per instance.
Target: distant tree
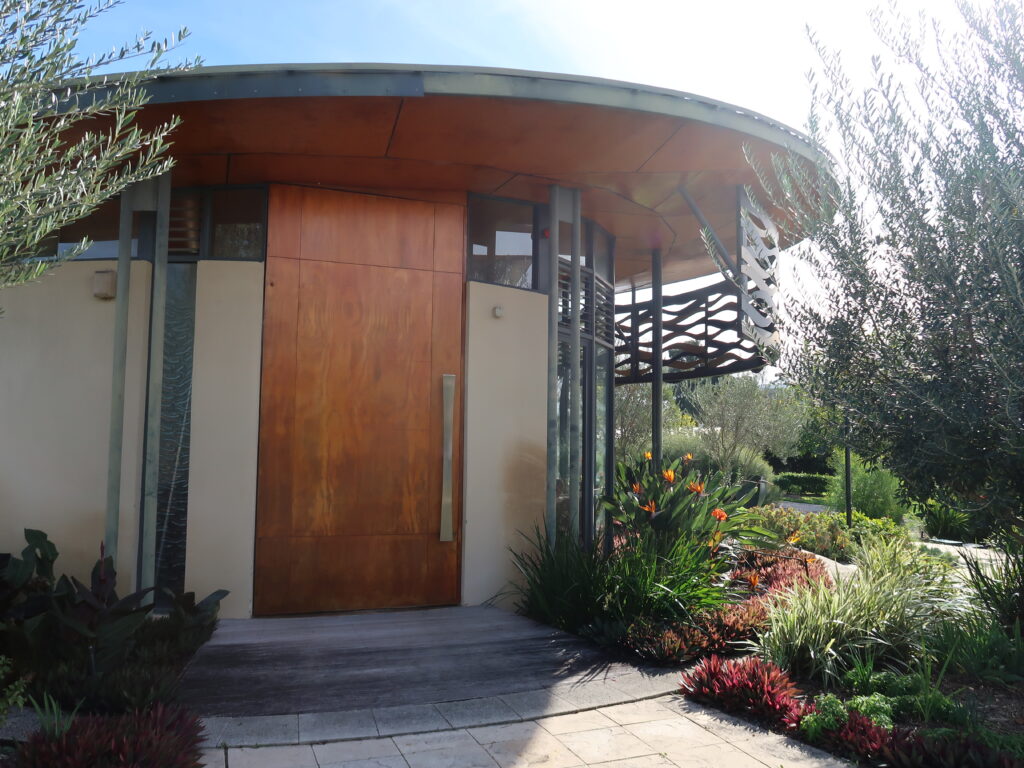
(916, 241)
(67, 136)
(633, 418)
(736, 415)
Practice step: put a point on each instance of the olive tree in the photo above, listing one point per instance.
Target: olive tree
(915, 238)
(738, 417)
(68, 138)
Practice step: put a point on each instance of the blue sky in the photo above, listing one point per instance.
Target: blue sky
(754, 54)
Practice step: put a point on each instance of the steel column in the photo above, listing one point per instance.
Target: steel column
(550, 513)
(656, 382)
(154, 393)
(116, 439)
(575, 371)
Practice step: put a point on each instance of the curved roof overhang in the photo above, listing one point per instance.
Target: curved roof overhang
(501, 132)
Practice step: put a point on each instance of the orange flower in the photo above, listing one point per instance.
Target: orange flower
(695, 487)
(647, 455)
(719, 514)
(794, 537)
(636, 487)
(669, 475)
(688, 457)
(753, 579)
(649, 507)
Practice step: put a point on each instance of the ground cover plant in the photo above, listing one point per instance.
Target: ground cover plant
(861, 727)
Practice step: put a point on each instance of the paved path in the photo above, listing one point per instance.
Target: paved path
(801, 506)
(663, 732)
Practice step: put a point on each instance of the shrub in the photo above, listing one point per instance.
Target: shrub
(876, 708)
(829, 714)
(676, 500)
(976, 645)
(750, 687)
(730, 627)
(750, 464)
(165, 737)
(646, 582)
(825, 533)
(84, 644)
(875, 490)
(578, 589)
(999, 585)
(803, 483)
(916, 749)
(942, 521)
(885, 611)
(563, 585)
(12, 689)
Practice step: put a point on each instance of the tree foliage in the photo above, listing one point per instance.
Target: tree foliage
(738, 416)
(633, 418)
(916, 241)
(68, 138)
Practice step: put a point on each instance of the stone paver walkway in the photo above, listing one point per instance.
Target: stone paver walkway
(663, 732)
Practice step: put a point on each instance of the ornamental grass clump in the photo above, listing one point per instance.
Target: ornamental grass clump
(886, 611)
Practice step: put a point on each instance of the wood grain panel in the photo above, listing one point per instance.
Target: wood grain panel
(351, 431)
(390, 232)
(449, 238)
(274, 489)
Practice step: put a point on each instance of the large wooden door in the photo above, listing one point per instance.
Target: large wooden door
(362, 318)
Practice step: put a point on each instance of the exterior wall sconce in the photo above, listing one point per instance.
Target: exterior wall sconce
(498, 311)
(104, 284)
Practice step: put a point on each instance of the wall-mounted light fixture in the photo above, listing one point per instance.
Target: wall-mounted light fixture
(498, 311)
(104, 284)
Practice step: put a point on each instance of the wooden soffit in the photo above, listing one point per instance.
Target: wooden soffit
(486, 132)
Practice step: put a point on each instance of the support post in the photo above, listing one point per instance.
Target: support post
(575, 371)
(154, 392)
(116, 439)
(656, 382)
(848, 477)
(550, 512)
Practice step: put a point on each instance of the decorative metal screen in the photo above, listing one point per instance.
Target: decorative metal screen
(728, 327)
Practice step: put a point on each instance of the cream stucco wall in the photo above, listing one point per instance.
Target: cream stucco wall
(225, 431)
(56, 353)
(506, 422)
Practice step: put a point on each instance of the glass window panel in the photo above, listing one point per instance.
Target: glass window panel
(237, 224)
(565, 243)
(175, 428)
(101, 227)
(501, 242)
(603, 253)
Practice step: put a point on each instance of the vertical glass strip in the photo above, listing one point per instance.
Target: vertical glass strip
(175, 428)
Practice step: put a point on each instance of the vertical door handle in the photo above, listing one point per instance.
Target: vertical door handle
(448, 394)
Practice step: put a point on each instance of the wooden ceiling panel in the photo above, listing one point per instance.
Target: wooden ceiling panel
(699, 147)
(352, 126)
(532, 137)
(363, 172)
(199, 170)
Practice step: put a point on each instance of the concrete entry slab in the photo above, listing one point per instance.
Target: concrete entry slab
(375, 661)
